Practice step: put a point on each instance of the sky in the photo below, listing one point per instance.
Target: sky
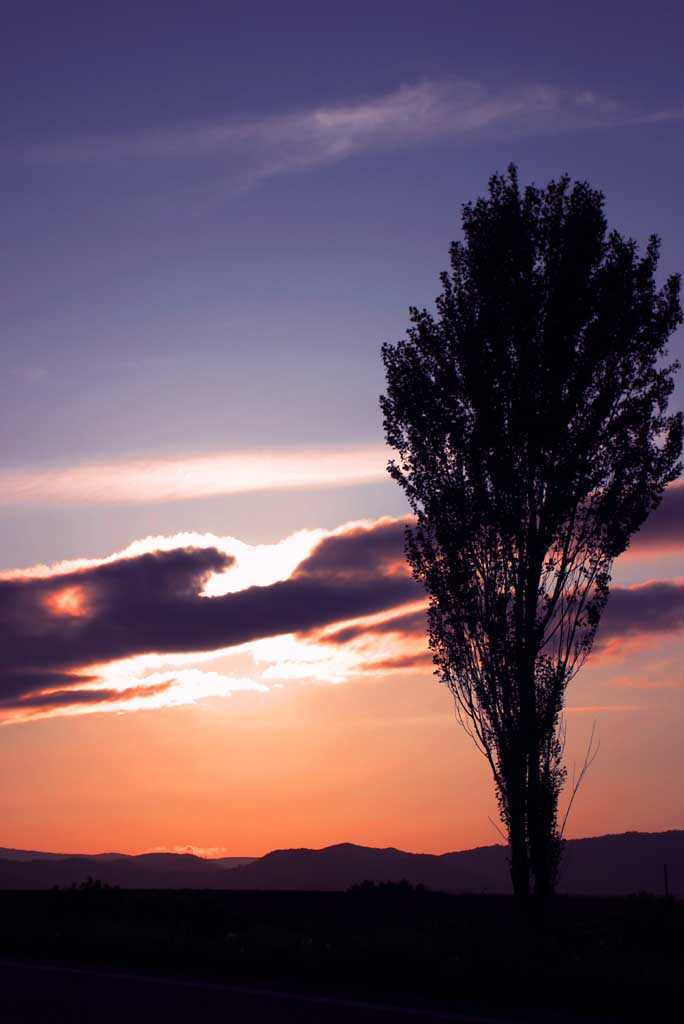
(214, 214)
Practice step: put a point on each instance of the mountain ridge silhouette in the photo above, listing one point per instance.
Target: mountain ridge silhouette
(616, 864)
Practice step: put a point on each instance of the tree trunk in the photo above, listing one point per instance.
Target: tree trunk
(517, 834)
(520, 866)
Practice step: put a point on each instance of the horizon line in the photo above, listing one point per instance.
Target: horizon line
(188, 850)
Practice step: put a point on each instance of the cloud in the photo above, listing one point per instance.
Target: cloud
(595, 709)
(669, 678)
(75, 696)
(151, 480)
(121, 687)
(128, 631)
(156, 603)
(411, 623)
(421, 660)
(253, 149)
(663, 531)
(144, 481)
(391, 640)
(646, 609)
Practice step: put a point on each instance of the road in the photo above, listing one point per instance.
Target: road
(57, 994)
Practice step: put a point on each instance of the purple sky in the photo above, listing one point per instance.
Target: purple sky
(214, 214)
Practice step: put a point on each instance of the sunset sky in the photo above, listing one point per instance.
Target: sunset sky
(214, 214)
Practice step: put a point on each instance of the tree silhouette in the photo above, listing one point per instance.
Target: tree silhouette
(529, 417)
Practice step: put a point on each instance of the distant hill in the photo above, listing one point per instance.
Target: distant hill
(147, 871)
(23, 855)
(148, 858)
(604, 865)
(338, 867)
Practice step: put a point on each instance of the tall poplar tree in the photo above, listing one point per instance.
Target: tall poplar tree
(529, 419)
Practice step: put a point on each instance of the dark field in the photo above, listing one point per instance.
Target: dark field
(605, 958)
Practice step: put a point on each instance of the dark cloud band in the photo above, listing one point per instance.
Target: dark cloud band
(154, 604)
(664, 529)
(53, 629)
(656, 607)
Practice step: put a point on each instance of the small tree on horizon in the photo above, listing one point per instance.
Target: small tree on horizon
(529, 417)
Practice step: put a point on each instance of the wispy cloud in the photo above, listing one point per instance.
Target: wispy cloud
(162, 479)
(656, 679)
(594, 709)
(259, 147)
(123, 688)
(142, 481)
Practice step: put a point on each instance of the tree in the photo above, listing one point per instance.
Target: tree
(529, 417)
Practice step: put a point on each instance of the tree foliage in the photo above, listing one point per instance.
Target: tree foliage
(529, 417)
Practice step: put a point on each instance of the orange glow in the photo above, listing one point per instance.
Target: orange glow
(70, 602)
(379, 761)
(291, 760)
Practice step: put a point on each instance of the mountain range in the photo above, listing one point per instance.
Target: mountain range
(604, 865)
